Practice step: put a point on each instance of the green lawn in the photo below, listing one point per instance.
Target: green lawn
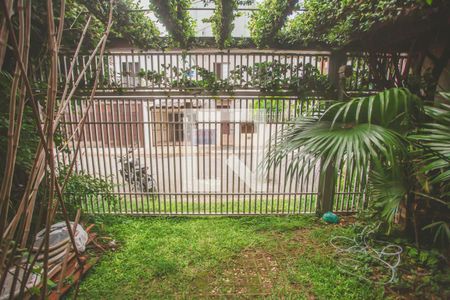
(247, 257)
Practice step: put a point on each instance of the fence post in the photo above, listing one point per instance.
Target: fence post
(337, 71)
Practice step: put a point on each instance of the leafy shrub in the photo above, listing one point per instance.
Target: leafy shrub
(96, 193)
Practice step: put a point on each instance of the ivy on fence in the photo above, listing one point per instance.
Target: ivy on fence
(266, 76)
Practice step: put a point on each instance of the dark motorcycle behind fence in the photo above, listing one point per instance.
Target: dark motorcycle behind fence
(136, 174)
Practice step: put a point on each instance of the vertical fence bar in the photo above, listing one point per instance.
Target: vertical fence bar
(155, 143)
(151, 143)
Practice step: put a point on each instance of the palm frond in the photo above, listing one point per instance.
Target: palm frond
(318, 140)
(389, 186)
(441, 231)
(393, 108)
(434, 138)
(363, 130)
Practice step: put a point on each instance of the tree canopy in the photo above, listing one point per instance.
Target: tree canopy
(129, 22)
(336, 23)
(266, 22)
(274, 24)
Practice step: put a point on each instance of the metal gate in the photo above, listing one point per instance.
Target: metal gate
(204, 155)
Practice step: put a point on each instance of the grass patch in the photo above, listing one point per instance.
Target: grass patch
(319, 274)
(245, 257)
(164, 254)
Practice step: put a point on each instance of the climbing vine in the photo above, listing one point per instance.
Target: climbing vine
(266, 22)
(275, 76)
(222, 21)
(175, 17)
(183, 79)
(266, 76)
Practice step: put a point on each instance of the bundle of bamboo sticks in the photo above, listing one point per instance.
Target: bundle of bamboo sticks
(17, 261)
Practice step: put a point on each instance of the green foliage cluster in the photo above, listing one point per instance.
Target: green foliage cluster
(266, 22)
(85, 187)
(210, 42)
(183, 79)
(275, 76)
(175, 17)
(271, 104)
(75, 19)
(336, 22)
(129, 23)
(433, 279)
(29, 138)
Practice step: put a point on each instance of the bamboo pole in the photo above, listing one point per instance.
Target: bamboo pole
(28, 195)
(80, 76)
(38, 171)
(102, 51)
(17, 117)
(23, 93)
(46, 132)
(62, 11)
(51, 100)
(6, 185)
(4, 32)
(80, 126)
(37, 115)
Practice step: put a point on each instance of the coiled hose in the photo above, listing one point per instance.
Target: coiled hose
(363, 246)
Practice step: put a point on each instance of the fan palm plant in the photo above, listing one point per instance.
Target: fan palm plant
(404, 144)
